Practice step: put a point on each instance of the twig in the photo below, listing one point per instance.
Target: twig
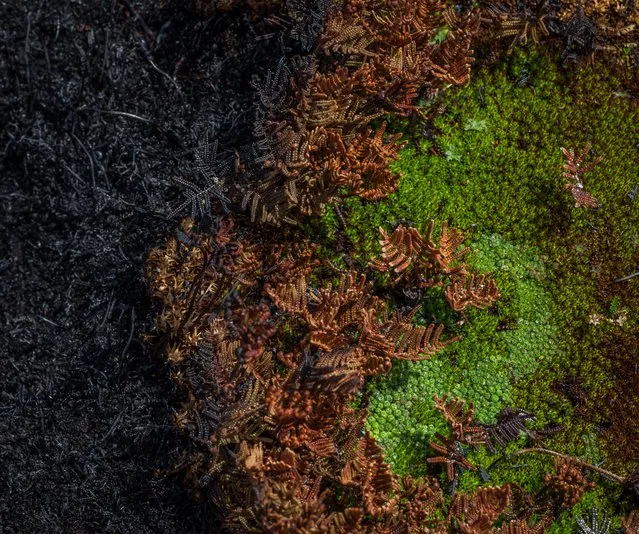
(26, 51)
(108, 310)
(121, 113)
(48, 320)
(88, 156)
(177, 87)
(128, 342)
(599, 470)
(146, 49)
(627, 277)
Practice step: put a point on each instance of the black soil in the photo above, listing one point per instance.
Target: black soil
(102, 104)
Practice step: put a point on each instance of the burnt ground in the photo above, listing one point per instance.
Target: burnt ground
(102, 104)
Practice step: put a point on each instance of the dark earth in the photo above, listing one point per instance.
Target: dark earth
(102, 104)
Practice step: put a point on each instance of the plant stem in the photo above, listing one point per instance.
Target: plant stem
(627, 277)
(603, 472)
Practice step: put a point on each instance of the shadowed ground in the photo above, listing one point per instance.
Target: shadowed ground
(102, 103)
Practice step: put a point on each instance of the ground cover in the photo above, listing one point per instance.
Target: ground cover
(106, 105)
(559, 340)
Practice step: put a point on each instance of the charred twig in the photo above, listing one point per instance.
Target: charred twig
(139, 20)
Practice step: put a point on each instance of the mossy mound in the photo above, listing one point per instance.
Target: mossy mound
(495, 350)
(560, 340)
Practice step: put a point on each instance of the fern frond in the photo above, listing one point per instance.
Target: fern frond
(478, 511)
(574, 171)
(399, 250)
(414, 342)
(596, 525)
(477, 291)
(448, 251)
(215, 172)
(341, 35)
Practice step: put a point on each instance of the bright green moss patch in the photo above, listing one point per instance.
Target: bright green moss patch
(495, 166)
(496, 348)
(555, 343)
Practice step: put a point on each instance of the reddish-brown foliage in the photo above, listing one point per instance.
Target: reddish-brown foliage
(273, 369)
(314, 141)
(568, 484)
(574, 170)
(419, 262)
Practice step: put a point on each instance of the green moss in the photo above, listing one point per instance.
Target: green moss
(481, 367)
(595, 498)
(494, 171)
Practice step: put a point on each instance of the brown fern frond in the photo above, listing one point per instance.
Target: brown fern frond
(408, 254)
(341, 35)
(477, 291)
(332, 311)
(281, 508)
(253, 327)
(301, 418)
(521, 526)
(453, 58)
(454, 410)
(338, 371)
(448, 251)
(568, 484)
(414, 342)
(451, 454)
(291, 296)
(574, 170)
(284, 464)
(375, 365)
(366, 161)
(583, 199)
(460, 420)
(334, 101)
(266, 206)
(250, 457)
(321, 446)
(404, 21)
(326, 337)
(400, 250)
(527, 21)
(478, 511)
(374, 477)
(350, 520)
(573, 166)
(286, 283)
(421, 498)
(404, 60)
(373, 341)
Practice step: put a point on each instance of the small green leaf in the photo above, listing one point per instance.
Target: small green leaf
(476, 125)
(440, 35)
(614, 306)
(452, 153)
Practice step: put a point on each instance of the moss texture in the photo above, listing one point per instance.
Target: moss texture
(495, 350)
(551, 345)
